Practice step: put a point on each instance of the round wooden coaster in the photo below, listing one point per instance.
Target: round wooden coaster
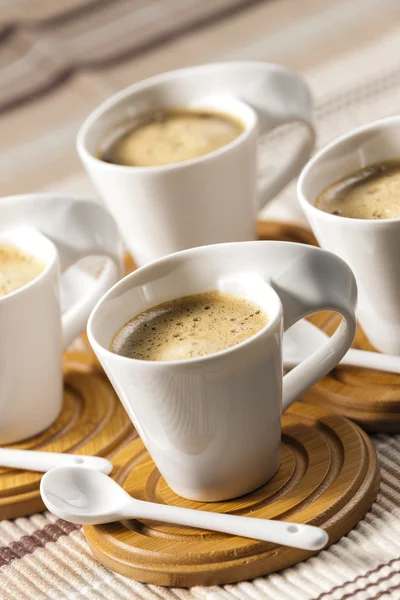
(371, 398)
(328, 476)
(92, 421)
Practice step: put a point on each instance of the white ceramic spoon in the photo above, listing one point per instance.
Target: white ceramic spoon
(88, 497)
(304, 339)
(33, 460)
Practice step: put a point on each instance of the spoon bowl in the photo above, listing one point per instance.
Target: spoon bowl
(83, 497)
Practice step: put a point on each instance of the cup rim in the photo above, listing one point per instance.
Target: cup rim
(270, 325)
(96, 115)
(43, 274)
(308, 204)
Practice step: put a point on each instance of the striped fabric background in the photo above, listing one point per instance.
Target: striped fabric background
(58, 60)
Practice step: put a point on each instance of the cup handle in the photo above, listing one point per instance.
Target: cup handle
(289, 100)
(75, 318)
(325, 284)
(86, 229)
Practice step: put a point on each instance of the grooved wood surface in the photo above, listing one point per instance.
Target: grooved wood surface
(328, 476)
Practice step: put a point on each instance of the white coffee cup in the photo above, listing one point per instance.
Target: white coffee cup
(212, 424)
(371, 247)
(57, 231)
(213, 198)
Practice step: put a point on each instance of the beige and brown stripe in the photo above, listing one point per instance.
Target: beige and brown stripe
(85, 39)
(38, 539)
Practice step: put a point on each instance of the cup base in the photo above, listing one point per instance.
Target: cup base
(228, 492)
(27, 431)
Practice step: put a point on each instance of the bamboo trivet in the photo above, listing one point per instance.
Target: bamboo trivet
(92, 421)
(328, 476)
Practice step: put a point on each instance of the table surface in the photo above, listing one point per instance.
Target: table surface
(58, 61)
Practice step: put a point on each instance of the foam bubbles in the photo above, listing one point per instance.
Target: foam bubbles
(17, 268)
(169, 136)
(178, 330)
(370, 193)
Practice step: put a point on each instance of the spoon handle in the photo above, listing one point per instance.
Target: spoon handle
(33, 460)
(306, 537)
(372, 360)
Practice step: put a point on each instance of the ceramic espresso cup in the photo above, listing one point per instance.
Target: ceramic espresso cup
(213, 424)
(58, 231)
(370, 246)
(213, 198)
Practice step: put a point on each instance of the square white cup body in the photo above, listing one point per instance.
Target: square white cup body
(222, 410)
(370, 247)
(31, 345)
(166, 209)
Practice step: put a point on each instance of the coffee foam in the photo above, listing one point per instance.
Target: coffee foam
(190, 327)
(371, 193)
(17, 268)
(171, 136)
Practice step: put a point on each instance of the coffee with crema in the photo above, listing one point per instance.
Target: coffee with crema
(189, 327)
(369, 193)
(17, 268)
(163, 137)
